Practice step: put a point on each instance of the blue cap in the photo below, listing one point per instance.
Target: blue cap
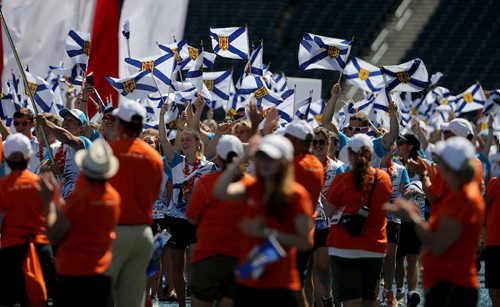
(76, 114)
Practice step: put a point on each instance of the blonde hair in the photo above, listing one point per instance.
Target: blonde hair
(280, 195)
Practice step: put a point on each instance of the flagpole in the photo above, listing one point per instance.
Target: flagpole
(158, 88)
(248, 46)
(26, 86)
(229, 92)
(294, 98)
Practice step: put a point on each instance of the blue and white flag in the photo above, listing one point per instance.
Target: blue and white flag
(315, 112)
(136, 86)
(493, 99)
(78, 48)
(270, 251)
(188, 62)
(186, 96)
(320, 52)
(364, 75)
(411, 76)
(126, 29)
(236, 102)
(256, 67)
(472, 99)
(279, 83)
(230, 42)
(435, 78)
(7, 107)
(265, 98)
(302, 108)
(180, 50)
(162, 67)
(41, 92)
(219, 85)
(195, 77)
(286, 109)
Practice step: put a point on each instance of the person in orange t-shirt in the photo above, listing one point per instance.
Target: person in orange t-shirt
(138, 182)
(218, 232)
(83, 227)
(22, 221)
(357, 260)
(309, 172)
(277, 208)
(451, 238)
(492, 251)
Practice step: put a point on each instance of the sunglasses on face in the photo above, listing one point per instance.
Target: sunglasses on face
(108, 117)
(318, 142)
(23, 123)
(356, 129)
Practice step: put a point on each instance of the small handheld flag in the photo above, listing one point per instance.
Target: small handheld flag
(136, 86)
(411, 76)
(472, 99)
(320, 52)
(270, 251)
(364, 75)
(78, 48)
(230, 42)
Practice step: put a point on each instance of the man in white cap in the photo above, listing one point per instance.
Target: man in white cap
(218, 232)
(309, 172)
(22, 222)
(70, 135)
(83, 227)
(457, 127)
(138, 183)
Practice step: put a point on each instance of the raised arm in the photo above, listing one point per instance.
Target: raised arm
(61, 134)
(4, 130)
(326, 121)
(166, 147)
(485, 152)
(194, 122)
(390, 137)
(81, 103)
(211, 150)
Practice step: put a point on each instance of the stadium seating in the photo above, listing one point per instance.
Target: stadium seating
(461, 41)
(282, 24)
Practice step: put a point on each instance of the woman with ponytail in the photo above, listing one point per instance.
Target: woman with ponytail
(357, 260)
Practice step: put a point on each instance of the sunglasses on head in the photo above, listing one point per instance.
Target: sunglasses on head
(357, 129)
(23, 123)
(318, 142)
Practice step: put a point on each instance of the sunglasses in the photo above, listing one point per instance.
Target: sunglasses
(318, 142)
(108, 117)
(23, 123)
(357, 129)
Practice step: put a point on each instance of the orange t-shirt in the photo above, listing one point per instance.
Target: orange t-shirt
(493, 212)
(440, 188)
(94, 211)
(24, 209)
(283, 273)
(138, 180)
(343, 193)
(218, 230)
(458, 264)
(310, 173)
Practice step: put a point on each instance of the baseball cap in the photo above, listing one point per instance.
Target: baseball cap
(127, 109)
(459, 127)
(276, 147)
(78, 114)
(227, 144)
(97, 162)
(411, 139)
(300, 129)
(360, 140)
(17, 142)
(455, 152)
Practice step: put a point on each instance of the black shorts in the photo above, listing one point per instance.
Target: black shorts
(393, 231)
(320, 236)
(355, 278)
(83, 291)
(303, 258)
(12, 280)
(213, 278)
(492, 267)
(409, 243)
(251, 297)
(183, 233)
(445, 294)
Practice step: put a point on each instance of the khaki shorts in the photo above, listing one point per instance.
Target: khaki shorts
(355, 278)
(213, 278)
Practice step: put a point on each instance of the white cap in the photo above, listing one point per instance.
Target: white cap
(276, 147)
(17, 142)
(455, 152)
(129, 108)
(360, 140)
(97, 162)
(78, 114)
(229, 143)
(459, 127)
(300, 129)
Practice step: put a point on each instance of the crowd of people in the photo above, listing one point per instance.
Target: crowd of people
(348, 213)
